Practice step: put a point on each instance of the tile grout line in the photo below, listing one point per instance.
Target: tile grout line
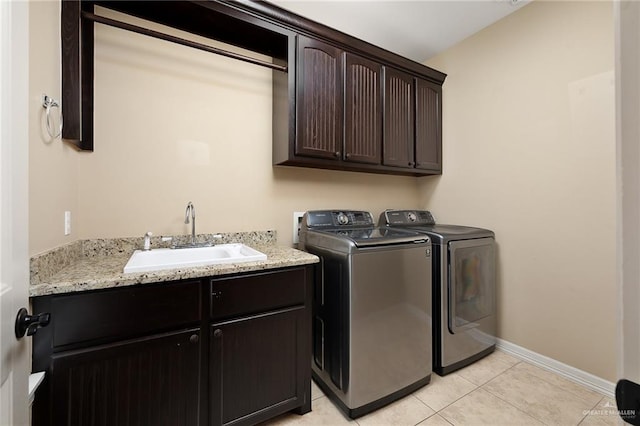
(499, 374)
(508, 402)
(467, 393)
(426, 405)
(435, 414)
(564, 378)
(545, 381)
(517, 408)
(472, 390)
(592, 408)
(457, 399)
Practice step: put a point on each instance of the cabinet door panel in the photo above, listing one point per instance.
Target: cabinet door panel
(428, 126)
(363, 110)
(257, 367)
(398, 119)
(153, 381)
(319, 100)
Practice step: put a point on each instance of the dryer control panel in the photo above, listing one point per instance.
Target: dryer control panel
(406, 217)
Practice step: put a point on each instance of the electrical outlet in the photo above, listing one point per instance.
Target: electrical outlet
(297, 220)
(67, 223)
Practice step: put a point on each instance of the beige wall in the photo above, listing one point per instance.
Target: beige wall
(529, 151)
(53, 166)
(174, 125)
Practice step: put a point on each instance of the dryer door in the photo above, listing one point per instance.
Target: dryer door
(471, 286)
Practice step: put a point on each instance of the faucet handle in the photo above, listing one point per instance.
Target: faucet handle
(147, 240)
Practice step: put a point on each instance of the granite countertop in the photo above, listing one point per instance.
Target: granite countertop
(98, 264)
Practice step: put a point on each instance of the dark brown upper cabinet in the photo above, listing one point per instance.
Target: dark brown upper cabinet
(412, 122)
(338, 107)
(363, 110)
(399, 107)
(338, 104)
(428, 126)
(319, 100)
(345, 111)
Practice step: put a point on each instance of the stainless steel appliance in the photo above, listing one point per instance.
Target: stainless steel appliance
(464, 312)
(372, 309)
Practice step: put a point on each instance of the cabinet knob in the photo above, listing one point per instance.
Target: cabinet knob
(347, 155)
(411, 163)
(194, 338)
(217, 333)
(337, 153)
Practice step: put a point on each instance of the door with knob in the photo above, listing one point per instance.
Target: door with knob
(255, 366)
(319, 103)
(153, 380)
(363, 110)
(14, 208)
(399, 109)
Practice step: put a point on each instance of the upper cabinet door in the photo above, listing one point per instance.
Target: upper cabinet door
(363, 110)
(428, 126)
(319, 100)
(398, 119)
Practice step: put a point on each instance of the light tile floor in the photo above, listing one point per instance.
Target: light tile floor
(497, 390)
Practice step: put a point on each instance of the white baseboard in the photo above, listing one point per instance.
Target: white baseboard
(588, 380)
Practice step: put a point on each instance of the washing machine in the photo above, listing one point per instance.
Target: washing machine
(464, 287)
(371, 309)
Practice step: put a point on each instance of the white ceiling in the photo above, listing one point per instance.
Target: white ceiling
(416, 29)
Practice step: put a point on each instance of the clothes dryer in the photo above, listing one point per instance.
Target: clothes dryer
(464, 287)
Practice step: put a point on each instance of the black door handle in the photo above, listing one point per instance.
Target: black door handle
(29, 324)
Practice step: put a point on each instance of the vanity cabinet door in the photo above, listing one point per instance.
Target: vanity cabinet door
(259, 367)
(148, 381)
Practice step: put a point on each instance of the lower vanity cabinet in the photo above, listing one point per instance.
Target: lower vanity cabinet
(260, 347)
(212, 351)
(127, 356)
(150, 381)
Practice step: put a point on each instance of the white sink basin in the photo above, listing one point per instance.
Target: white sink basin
(159, 259)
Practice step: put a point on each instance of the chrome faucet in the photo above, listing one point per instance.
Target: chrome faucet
(191, 210)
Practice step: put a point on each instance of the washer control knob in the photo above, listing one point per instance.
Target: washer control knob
(343, 219)
(412, 217)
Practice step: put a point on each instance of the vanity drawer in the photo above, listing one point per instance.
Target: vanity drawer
(246, 295)
(124, 312)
